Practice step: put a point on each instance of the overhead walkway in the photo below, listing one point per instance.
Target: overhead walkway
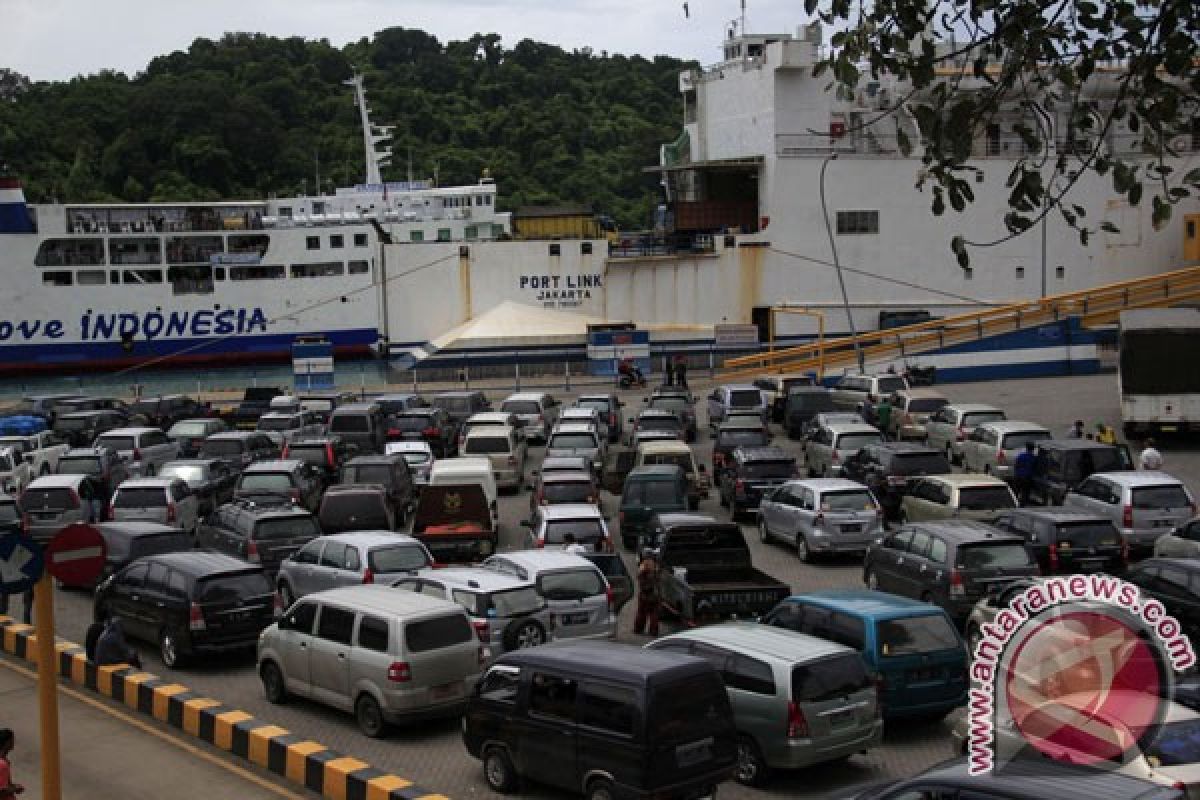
(1098, 306)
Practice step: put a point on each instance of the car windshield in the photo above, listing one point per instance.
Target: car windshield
(741, 436)
(359, 510)
(926, 404)
(512, 601)
(652, 493)
(277, 423)
(657, 423)
(993, 555)
(586, 531)
(79, 465)
(856, 441)
(1177, 743)
(599, 404)
(568, 492)
(349, 423)
(681, 460)
(192, 473)
(135, 497)
(368, 473)
(1145, 497)
(232, 588)
(770, 469)
(74, 423)
(848, 500)
(810, 401)
(976, 418)
(745, 398)
(830, 678)
(919, 464)
(985, 498)
(309, 453)
(451, 403)
(412, 422)
(1081, 464)
(914, 635)
(521, 407)
(48, 499)
(1089, 534)
(287, 528)
(397, 558)
(1018, 440)
(274, 481)
(222, 447)
(118, 443)
(572, 441)
(181, 429)
(889, 384)
(571, 584)
(486, 444)
(671, 403)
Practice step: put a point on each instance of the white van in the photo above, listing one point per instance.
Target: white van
(468, 469)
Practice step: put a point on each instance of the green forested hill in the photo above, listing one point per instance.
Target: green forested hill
(251, 114)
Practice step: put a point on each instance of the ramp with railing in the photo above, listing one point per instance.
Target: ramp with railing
(1098, 306)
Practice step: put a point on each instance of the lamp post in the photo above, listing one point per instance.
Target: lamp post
(837, 265)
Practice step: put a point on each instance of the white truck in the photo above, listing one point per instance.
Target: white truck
(40, 450)
(15, 473)
(1156, 377)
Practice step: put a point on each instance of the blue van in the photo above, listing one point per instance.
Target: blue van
(912, 647)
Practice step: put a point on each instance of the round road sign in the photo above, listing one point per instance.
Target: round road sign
(76, 554)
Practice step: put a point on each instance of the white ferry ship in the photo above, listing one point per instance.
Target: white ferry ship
(104, 286)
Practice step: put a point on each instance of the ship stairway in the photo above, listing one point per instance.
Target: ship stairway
(1092, 307)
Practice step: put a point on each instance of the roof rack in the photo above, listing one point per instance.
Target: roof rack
(264, 498)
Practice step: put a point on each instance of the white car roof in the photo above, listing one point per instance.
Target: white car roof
(571, 511)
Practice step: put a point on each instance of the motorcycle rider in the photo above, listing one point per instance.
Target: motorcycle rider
(628, 367)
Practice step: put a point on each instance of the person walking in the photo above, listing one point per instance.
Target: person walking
(883, 416)
(111, 647)
(646, 620)
(1150, 459)
(1076, 431)
(681, 371)
(1023, 470)
(8, 787)
(670, 370)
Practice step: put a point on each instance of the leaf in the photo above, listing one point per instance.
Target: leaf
(810, 6)
(1108, 227)
(1161, 214)
(1193, 176)
(1080, 211)
(959, 248)
(903, 142)
(1135, 193)
(939, 204)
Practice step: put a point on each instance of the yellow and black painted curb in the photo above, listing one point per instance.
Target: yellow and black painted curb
(295, 758)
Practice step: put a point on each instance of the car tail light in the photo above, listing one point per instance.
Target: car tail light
(482, 629)
(399, 672)
(394, 432)
(1053, 555)
(612, 600)
(612, 420)
(109, 513)
(818, 520)
(433, 432)
(797, 725)
(329, 454)
(437, 565)
(835, 458)
(277, 605)
(137, 454)
(252, 552)
(368, 575)
(1127, 516)
(956, 584)
(171, 512)
(960, 434)
(74, 499)
(1125, 551)
(621, 517)
(25, 522)
(1000, 457)
(196, 618)
(286, 450)
(739, 486)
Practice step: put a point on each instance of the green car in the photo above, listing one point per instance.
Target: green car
(649, 491)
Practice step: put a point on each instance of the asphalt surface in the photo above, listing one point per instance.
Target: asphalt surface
(432, 753)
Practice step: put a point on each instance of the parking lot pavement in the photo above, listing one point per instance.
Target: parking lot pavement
(106, 751)
(432, 753)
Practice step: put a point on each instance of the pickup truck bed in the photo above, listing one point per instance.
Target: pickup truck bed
(707, 574)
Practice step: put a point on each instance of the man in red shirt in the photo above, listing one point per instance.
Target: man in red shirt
(8, 789)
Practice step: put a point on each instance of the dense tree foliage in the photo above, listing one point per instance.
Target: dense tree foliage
(253, 114)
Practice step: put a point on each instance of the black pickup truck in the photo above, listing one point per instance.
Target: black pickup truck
(256, 401)
(706, 572)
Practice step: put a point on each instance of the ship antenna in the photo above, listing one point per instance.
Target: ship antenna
(372, 134)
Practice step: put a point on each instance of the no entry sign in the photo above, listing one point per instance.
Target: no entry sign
(76, 554)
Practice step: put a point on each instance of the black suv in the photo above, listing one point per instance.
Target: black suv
(326, 453)
(1067, 541)
(80, 428)
(1063, 464)
(750, 473)
(461, 406)
(730, 437)
(262, 531)
(889, 469)
(951, 564)
(356, 507)
(390, 472)
(189, 603)
(239, 448)
(679, 402)
(1172, 582)
(430, 425)
(165, 410)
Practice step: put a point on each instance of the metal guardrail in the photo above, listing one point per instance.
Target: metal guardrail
(1098, 306)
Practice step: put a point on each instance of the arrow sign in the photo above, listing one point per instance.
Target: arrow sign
(21, 563)
(76, 555)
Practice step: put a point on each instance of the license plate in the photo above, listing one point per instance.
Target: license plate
(851, 528)
(446, 690)
(1163, 523)
(575, 619)
(1170, 428)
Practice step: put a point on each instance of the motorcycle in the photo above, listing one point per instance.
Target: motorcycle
(917, 375)
(629, 380)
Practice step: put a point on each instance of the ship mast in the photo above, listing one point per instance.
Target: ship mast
(372, 134)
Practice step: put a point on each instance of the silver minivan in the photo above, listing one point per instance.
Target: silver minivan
(949, 426)
(830, 445)
(503, 449)
(349, 559)
(797, 700)
(575, 589)
(384, 655)
(1143, 505)
(167, 500)
(992, 448)
(145, 450)
(821, 516)
(54, 501)
(538, 410)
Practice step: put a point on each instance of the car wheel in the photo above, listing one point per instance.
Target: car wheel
(872, 581)
(369, 716)
(600, 789)
(498, 770)
(168, 648)
(802, 551)
(527, 634)
(273, 685)
(764, 535)
(752, 769)
(286, 595)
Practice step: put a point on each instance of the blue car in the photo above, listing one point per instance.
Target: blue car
(913, 648)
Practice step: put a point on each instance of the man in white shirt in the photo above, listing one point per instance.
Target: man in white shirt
(1150, 458)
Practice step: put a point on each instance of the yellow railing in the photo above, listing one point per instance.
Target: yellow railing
(1096, 306)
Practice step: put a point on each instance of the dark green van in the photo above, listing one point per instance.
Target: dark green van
(649, 491)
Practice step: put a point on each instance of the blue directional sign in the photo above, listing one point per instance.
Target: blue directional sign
(21, 563)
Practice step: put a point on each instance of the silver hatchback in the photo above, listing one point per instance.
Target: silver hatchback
(797, 700)
(821, 516)
(576, 591)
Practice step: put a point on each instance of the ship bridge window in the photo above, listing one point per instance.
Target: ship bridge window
(337, 240)
(360, 240)
(856, 222)
(249, 243)
(416, 236)
(471, 232)
(444, 234)
(140, 250)
(193, 249)
(142, 276)
(324, 270)
(90, 277)
(57, 278)
(191, 280)
(312, 242)
(70, 253)
(359, 267)
(257, 272)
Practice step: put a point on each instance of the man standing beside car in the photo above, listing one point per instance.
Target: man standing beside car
(1023, 470)
(646, 619)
